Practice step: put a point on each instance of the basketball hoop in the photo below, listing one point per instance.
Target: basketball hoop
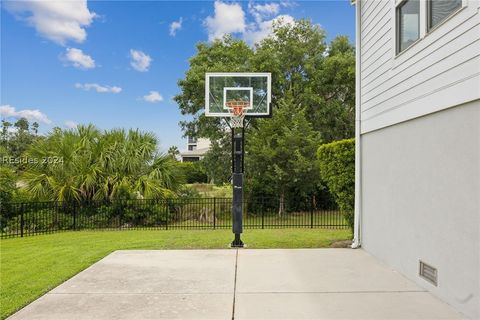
(232, 96)
(237, 111)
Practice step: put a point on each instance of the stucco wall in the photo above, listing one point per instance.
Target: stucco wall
(203, 143)
(420, 201)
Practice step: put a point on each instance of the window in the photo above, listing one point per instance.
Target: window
(414, 19)
(408, 24)
(439, 10)
(192, 147)
(192, 140)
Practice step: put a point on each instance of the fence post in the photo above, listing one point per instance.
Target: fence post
(74, 216)
(214, 213)
(311, 212)
(166, 216)
(120, 214)
(263, 215)
(21, 220)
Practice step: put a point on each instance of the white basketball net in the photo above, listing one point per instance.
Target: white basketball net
(237, 121)
(237, 111)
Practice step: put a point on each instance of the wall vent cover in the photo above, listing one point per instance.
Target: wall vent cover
(428, 273)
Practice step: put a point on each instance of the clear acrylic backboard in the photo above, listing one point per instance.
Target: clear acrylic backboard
(253, 89)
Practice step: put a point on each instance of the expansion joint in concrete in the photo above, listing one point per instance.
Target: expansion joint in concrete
(235, 285)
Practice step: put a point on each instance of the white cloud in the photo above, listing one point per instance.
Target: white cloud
(59, 21)
(7, 111)
(262, 29)
(267, 8)
(262, 11)
(70, 124)
(228, 18)
(78, 59)
(153, 96)
(98, 88)
(288, 3)
(140, 61)
(175, 26)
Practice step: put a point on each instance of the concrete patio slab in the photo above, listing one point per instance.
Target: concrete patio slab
(128, 306)
(157, 271)
(316, 270)
(330, 306)
(238, 284)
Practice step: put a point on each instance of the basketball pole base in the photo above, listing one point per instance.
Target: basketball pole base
(237, 242)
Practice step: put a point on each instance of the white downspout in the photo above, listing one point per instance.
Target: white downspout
(358, 196)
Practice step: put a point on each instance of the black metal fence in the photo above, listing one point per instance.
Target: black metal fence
(24, 219)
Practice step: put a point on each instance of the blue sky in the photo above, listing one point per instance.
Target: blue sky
(116, 63)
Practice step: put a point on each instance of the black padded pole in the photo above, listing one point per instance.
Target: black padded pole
(237, 175)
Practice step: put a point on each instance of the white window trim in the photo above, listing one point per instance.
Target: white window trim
(423, 19)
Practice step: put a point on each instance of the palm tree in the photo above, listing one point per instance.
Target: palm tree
(173, 152)
(87, 164)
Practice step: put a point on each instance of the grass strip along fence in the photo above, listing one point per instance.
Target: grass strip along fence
(25, 219)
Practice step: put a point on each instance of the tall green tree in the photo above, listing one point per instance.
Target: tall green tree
(293, 54)
(173, 152)
(319, 77)
(217, 162)
(332, 109)
(281, 155)
(5, 133)
(16, 137)
(35, 127)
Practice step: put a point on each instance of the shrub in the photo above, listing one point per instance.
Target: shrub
(124, 213)
(187, 192)
(337, 169)
(192, 172)
(39, 221)
(212, 190)
(7, 184)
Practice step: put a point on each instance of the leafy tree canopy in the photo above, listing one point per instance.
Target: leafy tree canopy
(173, 152)
(319, 78)
(217, 161)
(313, 99)
(16, 137)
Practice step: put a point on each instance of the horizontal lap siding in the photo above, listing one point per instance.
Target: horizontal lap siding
(422, 79)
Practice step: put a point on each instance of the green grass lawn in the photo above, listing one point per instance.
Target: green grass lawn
(31, 266)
